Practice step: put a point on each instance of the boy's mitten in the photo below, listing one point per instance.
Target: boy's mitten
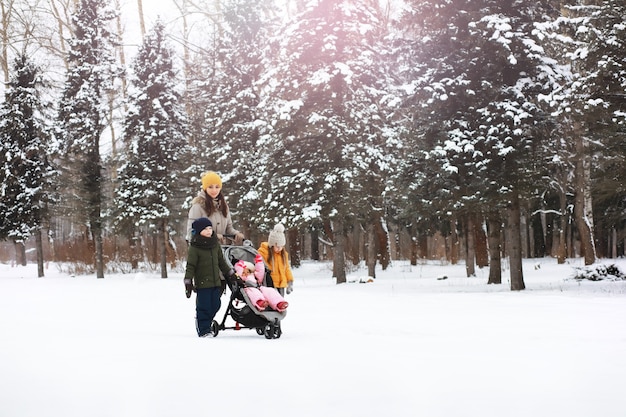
(188, 287)
(289, 287)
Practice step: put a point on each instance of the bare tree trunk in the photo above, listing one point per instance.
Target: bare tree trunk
(339, 260)
(470, 254)
(494, 230)
(371, 251)
(353, 244)
(99, 250)
(524, 234)
(480, 241)
(383, 239)
(20, 253)
(584, 217)
(135, 256)
(398, 249)
(294, 246)
(6, 10)
(422, 246)
(315, 244)
(570, 241)
(454, 242)
(414, 246)
(515, 242)
(63, 22)
(142, 23)
(562, 251)
(39, 247)
(163, 248)
(613, 242)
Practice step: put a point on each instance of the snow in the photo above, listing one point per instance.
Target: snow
(405, 344)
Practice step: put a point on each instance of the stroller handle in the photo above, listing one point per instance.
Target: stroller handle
(246, 242)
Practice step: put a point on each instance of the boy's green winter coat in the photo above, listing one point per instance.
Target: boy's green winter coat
(204, 265)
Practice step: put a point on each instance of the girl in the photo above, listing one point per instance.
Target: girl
(277, 258)
(210, 203)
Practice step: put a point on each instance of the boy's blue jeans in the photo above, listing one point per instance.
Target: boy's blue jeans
(208, 304)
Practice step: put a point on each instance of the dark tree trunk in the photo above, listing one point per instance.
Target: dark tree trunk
(354, 244)
(584, 221)
(135, 255)
(538, 237)
(414, 246)
(454, 243)
(515, 242)
(39, 247)
(339, 259)
(494, 230)
(99, 253)
(163, 247)
(562, 250)
(383, 240)
(470, 254)
(422, 246)
(371, 251)
(294, 246)
(20, 253)
(315, 244)
(480, 242)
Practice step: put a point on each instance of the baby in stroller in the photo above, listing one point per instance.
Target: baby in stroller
(252, 277)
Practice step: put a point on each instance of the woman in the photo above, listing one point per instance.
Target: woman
(210, 202)
(277, 258)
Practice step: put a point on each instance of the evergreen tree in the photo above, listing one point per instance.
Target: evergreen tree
(474, 86)
(82, 114)
(225, 100)
(149, 187)
(26, 175)
(325, 101)
(590, 40)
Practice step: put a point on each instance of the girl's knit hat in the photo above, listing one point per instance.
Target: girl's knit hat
(277, 236)
(210, 178)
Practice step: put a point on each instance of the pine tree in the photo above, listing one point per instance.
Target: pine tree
(225, 97)
(477, 75)
(325, 101)
(149, 189)
(26, 174)
(590, 39)
(82, 114)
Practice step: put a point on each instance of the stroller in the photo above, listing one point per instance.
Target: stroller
(240, 308)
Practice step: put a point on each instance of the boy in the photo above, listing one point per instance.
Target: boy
(205, 260)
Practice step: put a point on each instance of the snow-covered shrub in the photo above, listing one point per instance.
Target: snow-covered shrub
(599, 272)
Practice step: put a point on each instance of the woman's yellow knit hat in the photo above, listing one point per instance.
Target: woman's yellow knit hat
(210, 178)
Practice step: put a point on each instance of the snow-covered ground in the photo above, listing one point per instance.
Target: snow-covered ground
(406, 344)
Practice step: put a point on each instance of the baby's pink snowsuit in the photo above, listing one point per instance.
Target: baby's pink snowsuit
(260, 295)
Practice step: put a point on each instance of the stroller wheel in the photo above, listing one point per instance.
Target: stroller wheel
(259, 331)
(215, 329)
(277, 331)
(269, 331)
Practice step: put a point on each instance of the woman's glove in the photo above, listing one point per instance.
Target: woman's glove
(289, 287)
(239, 237)
(188, 287)
(223, 286)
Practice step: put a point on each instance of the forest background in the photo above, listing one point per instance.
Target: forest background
(374, 130)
